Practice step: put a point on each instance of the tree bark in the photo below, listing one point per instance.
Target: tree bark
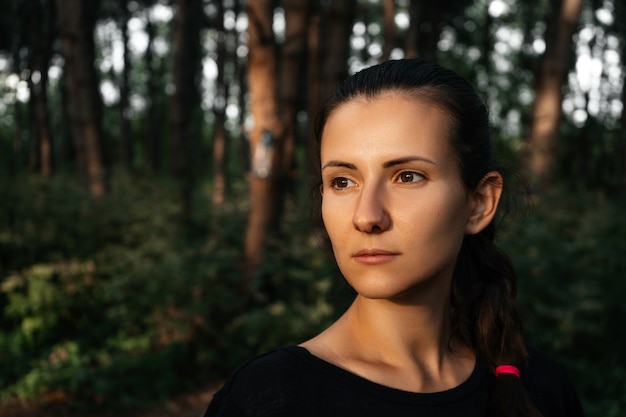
(623, 132)
(185, 101)
(15, 161)
(42, 35)
(266, 135)
(413, 34)
(152, 140)
(546, 114)
(243, 144)
(389, 14)
(426, 18)
(620, 16)
(126, 139)
(219, 110)
(336, 28)
(330, 27)
(314, 89)
(76, 20)
(487, 44)
(292, 86)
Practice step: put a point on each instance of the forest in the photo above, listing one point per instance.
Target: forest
(155, 205)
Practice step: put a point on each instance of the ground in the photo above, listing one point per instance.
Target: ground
(187, 405)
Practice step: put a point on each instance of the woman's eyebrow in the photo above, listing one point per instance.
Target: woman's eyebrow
(388, 164)
(403, 160)
(338, 164)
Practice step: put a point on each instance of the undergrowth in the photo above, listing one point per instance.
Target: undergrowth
(117, 301)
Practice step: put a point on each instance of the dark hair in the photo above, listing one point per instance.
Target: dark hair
(484, 314)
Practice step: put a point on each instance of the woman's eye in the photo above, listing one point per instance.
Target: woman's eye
(341, 183)
(409, 176)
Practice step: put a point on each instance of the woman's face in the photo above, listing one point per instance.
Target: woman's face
(393, 203)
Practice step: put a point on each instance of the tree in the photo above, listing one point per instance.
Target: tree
(556, 62)
(41, 34)
(126, 139)
(620, 13)
(336, 23)
(292, 85)
(389, 13)
(219, 110)
(266, 135)
(185, 101)
(424, 29)
(76, 21)
(330, 27)
(152, 140)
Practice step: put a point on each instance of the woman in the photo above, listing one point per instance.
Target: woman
(409, 194)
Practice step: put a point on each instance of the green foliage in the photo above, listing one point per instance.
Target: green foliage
(570, 260)
(84, 287)
(117, 301)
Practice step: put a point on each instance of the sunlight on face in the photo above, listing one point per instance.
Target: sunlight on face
(393, 203)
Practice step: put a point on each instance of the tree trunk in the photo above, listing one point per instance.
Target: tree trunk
(620, 16)
(266, 135)
(184, 105)
(487, 44)
(425, 28)
(34, 130)
(126, 142)
(292, 91)
(41, 37)
(242, 144)
(18, 148)
(219, 110)
(240, 63)
(389, 14)
(623, 131)
(546, 113)
(76, 21)
(68, 153)
(336, 29)
(329, 48)
(314, 90)
(153, 121)
(413, 34)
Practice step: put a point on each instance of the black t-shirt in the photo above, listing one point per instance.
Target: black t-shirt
(291, 382)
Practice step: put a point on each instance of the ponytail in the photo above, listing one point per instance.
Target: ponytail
(486, 318)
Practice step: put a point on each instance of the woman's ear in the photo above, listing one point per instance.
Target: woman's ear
(484, 202)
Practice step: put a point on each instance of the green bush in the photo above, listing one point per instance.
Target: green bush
(570, 260)
(119, 301)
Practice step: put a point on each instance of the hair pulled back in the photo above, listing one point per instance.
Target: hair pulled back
(484, 313)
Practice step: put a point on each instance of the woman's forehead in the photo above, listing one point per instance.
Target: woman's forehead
(387, 127)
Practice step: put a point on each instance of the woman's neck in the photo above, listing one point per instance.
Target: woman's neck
(399, 333)
(403, 345)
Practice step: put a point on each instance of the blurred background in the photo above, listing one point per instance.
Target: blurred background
(155, 205)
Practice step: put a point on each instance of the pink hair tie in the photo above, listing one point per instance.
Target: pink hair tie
(507, 369)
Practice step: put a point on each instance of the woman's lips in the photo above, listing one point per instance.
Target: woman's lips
(374, 256)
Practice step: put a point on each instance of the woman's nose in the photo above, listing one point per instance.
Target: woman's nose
(370, 215)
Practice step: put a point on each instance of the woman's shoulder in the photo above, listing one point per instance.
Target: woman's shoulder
(265, 381)
(275, 366)
(277, 360)
(550, 386)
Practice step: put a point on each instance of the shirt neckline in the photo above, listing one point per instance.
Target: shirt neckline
(349, 379)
